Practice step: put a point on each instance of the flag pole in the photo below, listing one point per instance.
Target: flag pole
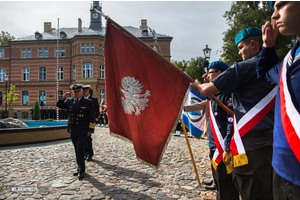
(190, 150)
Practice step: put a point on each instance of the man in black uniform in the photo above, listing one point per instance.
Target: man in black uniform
(220, 124)
(81, 122)
(88, 145)
(252, 172)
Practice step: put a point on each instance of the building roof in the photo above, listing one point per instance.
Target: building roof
(70, 33)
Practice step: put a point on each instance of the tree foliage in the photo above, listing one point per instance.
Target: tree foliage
(244, 14)
(194, 67)
(5, 37)
(11, 97)
(36, 110)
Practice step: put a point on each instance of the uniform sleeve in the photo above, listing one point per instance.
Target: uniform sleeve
(92, 116)
(229, 131)
(225, 81)
(61, 103)
(267, 67)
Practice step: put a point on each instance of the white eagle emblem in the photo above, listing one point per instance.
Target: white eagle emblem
(132, 100)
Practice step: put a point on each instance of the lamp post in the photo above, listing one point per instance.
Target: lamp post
(206, 52)
(6, 80)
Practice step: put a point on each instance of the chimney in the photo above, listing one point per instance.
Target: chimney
(143, 24)
(47, 26)
(79, 24)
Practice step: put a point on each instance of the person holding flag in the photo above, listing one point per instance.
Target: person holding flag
(286, 146)
(220, 129)
(253, 101)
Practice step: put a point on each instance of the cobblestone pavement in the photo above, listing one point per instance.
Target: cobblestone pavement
(45, 171)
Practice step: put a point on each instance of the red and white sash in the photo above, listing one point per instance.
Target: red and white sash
(246, 123)
(289, 114)
(218, 155)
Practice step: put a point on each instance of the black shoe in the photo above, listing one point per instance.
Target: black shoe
(89, 158)
(75, 173)
(80, 175)
(208, 182)
(210, 187)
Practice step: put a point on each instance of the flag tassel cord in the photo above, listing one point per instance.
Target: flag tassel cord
(190, 150)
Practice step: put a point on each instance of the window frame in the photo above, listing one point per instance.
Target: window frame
(26, 97)
(102, 72)
(25, 74)
(87, 70)
(44, 74)
(60, 72)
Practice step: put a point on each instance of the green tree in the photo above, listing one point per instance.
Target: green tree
(193, 68)
(11, 97)
(5, 37)
(244, 14)
(36, 110)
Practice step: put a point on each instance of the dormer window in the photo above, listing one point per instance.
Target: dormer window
(145, 32)
(63, 34)
(38, 35)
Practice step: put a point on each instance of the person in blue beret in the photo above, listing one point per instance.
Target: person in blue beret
(253, 108)
(220, 131)
(286, 74)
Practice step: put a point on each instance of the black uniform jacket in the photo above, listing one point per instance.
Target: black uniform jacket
(81, 117)
(96, 105)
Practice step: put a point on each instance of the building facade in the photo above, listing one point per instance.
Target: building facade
(31, 64)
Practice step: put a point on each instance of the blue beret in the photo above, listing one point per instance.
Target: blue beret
(245, 33)
(218, 65)
(271, 4)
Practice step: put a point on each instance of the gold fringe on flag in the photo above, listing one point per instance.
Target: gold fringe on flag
(214, 164)
(228, 159)
(240, 160)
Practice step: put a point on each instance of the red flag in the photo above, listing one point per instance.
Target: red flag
(144, 93)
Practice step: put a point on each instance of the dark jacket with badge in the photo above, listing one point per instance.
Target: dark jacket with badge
(81, 116)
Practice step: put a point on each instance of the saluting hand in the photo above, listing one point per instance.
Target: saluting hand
(269, 34)
(89, 133)
(66, 95)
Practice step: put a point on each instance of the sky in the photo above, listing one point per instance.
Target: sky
(192, 24)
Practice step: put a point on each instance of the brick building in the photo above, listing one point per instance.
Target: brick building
(31, 62)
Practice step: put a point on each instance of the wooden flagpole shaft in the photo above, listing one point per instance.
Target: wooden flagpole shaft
(190, 150)
(222, 105)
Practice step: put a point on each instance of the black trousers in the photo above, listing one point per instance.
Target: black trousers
(223, 181)
(89, 147)
(284, 190)
(254, 180)
(79, 142)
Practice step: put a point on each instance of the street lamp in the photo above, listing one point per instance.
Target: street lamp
(206, 52)
(6, 80)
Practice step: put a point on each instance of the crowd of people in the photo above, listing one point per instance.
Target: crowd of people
(255, 153)
(263, 155)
